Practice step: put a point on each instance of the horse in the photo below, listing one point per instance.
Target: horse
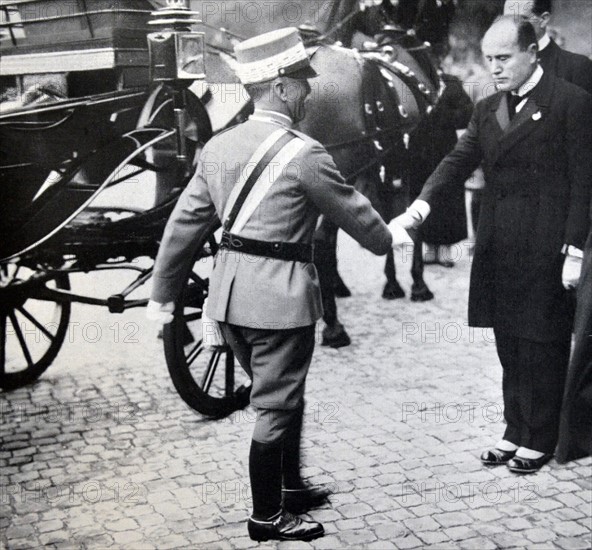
(384, 96)
(362, 109)
(431, 140)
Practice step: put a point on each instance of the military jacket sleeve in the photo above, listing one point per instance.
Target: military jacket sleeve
(342, 204)
(192, 215)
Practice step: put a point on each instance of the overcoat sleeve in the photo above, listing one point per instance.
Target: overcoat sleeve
(192, 214)
(582, 73)
(579, 147)
(341, 203)
(458, 165)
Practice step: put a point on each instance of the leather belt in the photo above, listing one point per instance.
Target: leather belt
(291, 252)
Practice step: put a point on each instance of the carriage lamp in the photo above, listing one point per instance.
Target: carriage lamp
(177, 57)
(176, 52)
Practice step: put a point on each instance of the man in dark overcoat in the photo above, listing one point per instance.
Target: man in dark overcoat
(575, 430)
(533, 139)
(264, 288)
(573, 67)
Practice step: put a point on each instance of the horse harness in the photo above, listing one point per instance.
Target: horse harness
(378, 91)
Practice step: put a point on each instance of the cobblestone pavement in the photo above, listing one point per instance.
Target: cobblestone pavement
(102, 453)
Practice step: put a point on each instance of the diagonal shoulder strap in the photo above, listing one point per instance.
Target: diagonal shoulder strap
(279, 142)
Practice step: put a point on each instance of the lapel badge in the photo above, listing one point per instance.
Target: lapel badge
(537, 116)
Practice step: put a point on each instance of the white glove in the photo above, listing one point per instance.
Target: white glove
(161, 313)
(211, 334)
(400, 236)
(572, 267)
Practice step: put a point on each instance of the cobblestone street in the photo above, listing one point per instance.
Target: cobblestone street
(102, 453)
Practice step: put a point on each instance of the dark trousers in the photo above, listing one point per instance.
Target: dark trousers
(277, 362)
(533, 381)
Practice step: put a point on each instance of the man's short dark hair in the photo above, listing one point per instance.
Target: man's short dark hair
(541, 6)
(258, 90)
(526, 35)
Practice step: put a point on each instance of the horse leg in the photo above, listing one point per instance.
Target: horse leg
(392, 289)
(327, 232)
(419, 290)
(334, 334)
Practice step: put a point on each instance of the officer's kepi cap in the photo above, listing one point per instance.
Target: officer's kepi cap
(276, 53)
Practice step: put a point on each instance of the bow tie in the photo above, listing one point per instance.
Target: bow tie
(514, 100)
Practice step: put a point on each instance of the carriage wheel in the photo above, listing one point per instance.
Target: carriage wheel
(208, 380)
(32, 330)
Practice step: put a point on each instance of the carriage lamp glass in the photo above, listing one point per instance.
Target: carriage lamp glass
(190, 55)
(176, 55)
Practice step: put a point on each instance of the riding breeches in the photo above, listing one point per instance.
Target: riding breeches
(277, 362)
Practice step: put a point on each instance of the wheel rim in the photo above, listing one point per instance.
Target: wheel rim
(208, 380)
(31, 330)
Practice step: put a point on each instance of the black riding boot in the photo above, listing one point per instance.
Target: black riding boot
(298, 497)
(265, 471)
(269, 521)
(291, 451)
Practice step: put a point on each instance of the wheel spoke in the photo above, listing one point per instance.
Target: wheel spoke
(2, 344)
(192, 317)
(36, 323)
(211, 370)
(194, 353)
(229, 368)
(21, 339)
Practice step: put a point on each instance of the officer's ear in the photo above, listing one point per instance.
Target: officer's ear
(280, 90)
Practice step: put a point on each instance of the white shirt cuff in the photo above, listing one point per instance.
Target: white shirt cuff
(422, 208)
(571, 250)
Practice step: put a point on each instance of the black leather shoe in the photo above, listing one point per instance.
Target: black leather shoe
(496, 457)
(520, 465)
(284, 526)
(298, 501)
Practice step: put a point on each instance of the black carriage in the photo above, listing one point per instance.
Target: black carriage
(69, 162)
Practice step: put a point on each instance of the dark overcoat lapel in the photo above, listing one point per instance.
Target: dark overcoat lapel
(527, 119)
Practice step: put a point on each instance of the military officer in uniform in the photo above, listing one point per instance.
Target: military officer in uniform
(264, 288)
(534, 139)
(570, 66)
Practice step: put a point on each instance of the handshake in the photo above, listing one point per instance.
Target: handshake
(411, 219)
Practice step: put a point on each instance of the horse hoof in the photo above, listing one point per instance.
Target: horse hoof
(340, 289)
(392, 291)
(335, 336)
(422, 294)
